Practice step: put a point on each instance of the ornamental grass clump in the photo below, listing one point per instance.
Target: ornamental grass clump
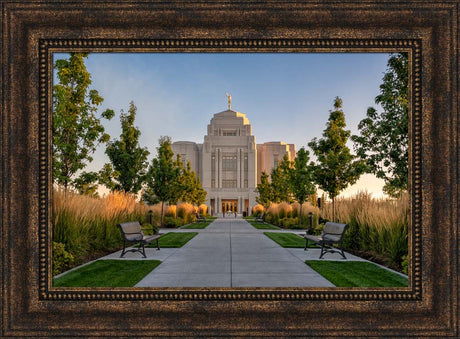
(282, 215)
(377, 226)
(307, 208)
(257, 210)
(203, 209)
(284, 210)
(87, 226)
(171, 211)
(186, 212)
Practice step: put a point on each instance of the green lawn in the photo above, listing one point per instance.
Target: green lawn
(288, 240)
(263, 226)
(174, 240)
(108, 273)
(198, 225)
(356, 274)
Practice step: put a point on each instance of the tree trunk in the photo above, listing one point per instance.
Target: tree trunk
(300, 213)
(162, 207)
(333, 209)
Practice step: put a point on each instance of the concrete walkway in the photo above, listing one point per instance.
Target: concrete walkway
(232, 253)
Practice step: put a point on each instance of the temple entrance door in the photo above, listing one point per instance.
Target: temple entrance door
(230, 205)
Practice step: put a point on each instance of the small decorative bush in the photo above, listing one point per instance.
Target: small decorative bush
(173, 222)
(268, 218)
(290, 223)
(405, 263)
(257, 210)
(149, 229)
(62, 260)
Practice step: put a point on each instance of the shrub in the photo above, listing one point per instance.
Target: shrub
(257, 210)
(268, 218)
(296, 226)
(290, 223)
(149, 229)
(376, 225)
(405, 263)
(285, 210)
(173, 222)
(307, 207)
(62, 260)
(295, 209)
(186, 211)
(171, 211)
(156, 217)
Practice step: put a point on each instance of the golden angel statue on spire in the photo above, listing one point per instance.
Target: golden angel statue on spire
(229, 98)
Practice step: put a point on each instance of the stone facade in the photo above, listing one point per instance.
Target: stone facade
(229, 162)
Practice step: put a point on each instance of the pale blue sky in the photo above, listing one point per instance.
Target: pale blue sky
(286, 96)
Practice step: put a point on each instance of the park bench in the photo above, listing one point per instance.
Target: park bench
(260, 218)
(200, 218)
(332, 235)
(132, 232)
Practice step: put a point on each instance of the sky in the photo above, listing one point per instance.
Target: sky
(286, 96)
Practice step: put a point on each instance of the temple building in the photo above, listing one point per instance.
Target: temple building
(229, 162)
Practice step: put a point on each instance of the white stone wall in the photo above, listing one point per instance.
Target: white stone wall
(272, 151)
(229, 140)
(189, 151)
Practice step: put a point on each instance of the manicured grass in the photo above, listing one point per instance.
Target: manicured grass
(198, 225)
(357, 274)
(108, 273)
(263, 226)
(174, 240)
(288, 240)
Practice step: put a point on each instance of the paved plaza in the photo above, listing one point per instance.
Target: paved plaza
(232, 253)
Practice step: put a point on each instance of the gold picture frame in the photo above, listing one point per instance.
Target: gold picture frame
(33, 30)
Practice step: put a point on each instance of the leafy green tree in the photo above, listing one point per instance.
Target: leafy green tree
(107, 176)
(77, 129)
(128, 169)
(302, 185)
(281, 181)
(86, 184)
(384, 137)
(192, 191)
(336, 167)
(265, 191)
(163, 175)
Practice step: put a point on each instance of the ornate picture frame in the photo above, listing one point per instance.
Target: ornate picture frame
(33, 30)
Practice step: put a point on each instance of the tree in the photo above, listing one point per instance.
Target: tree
(192, 191)
(281, 185)
(162, 175)
(128, 169)
(336, 167)
(265, 191)
(301, 179)
(77, 129)
(86, 184)
(384, 137)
